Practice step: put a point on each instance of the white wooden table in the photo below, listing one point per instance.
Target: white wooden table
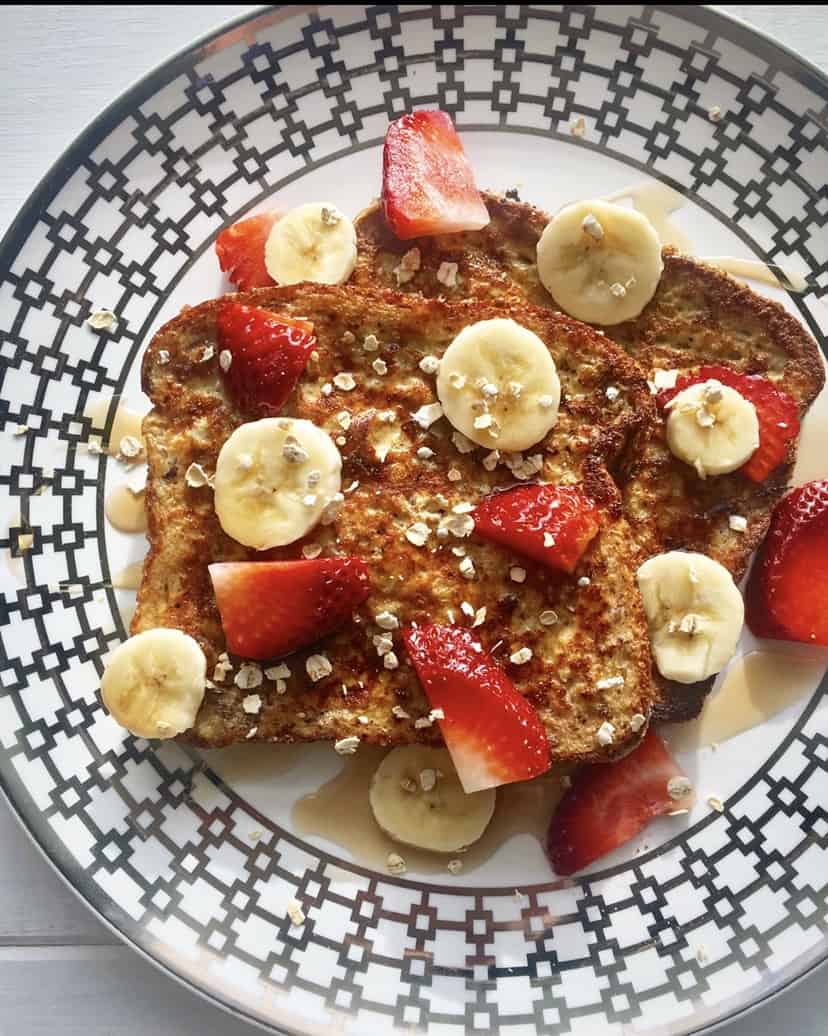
(61, 971)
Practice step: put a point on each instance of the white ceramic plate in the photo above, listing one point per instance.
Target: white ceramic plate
(193, 860)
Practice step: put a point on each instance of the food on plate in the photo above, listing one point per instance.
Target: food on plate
(241, 251)
(270, 609)
(550, 524)
(154, 683)
(409, 484)
(313, 242)
(600, 262)
(417, 799)
(497, 384)
(786, 592)
(275, 480)
(426, 507)
(493, 734)
(712, 427)
(261, 356)
(777, 415)
(608, 804)
(427, 181)
(698, 319)
(499, 260)
(695, 614)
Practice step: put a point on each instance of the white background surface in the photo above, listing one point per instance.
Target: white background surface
(60, 971)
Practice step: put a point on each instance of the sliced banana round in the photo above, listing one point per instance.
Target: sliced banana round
(498, 385)
(713, 427)
(154, 683)
(600, 262)
(694, 613)
(417, 799)
(312, 242)
(275, 479)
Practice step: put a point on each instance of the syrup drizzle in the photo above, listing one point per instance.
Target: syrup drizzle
(128, 578)
(659, 203)
(125, 510)
(756, 687)
(341, 813)
(755, 270)
(125, 422)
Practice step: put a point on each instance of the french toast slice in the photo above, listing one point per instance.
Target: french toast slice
(698, 315)
(601, 629)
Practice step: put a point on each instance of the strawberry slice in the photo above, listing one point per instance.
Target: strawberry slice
(609, 803)
(427, 181)
(776, 411)
(268, 355)
(493, 734)
(552, 524)
(271, 608)
(785, 597)
(241, 251)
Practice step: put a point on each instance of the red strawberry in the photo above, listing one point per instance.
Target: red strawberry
(269, 354)
(777, 412)
(492, 732)
(241, 251)
(271, 608)
(787, 588)
(427, 182)
(552, 524)
(609, 803)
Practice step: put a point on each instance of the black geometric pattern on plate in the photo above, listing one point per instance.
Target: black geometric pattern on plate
(713, 919)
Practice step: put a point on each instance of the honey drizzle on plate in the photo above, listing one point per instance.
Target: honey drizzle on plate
(755, 270)
(125, 510)
(125, 423)
(128, 578)
(756, 686)
(341, 813)
(659, 203)
(813, 436)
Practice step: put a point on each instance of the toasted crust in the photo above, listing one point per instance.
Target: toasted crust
(698, 315)
(602, 629)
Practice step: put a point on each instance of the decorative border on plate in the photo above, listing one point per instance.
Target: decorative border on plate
(154, 841)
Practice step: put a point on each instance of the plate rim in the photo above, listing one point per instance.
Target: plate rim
(95, 130)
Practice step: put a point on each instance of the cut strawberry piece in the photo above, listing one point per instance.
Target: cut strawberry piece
(241, 251)
(269, 354)
(609, 803)
(776, 411)
(492, 732)
(427, 181)
(271, 608)
(786, 592)
(552, 524)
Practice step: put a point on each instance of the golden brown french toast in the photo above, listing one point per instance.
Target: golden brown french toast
(698, 315)
(600, 631)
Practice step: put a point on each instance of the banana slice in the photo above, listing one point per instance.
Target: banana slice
(418, 800)
(275, 479)
(313, 242)
(694, 613)
(713, 427)
(154, 683)
(600, 262)
(498, 385)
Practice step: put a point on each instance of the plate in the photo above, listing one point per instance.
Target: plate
(193, 859)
